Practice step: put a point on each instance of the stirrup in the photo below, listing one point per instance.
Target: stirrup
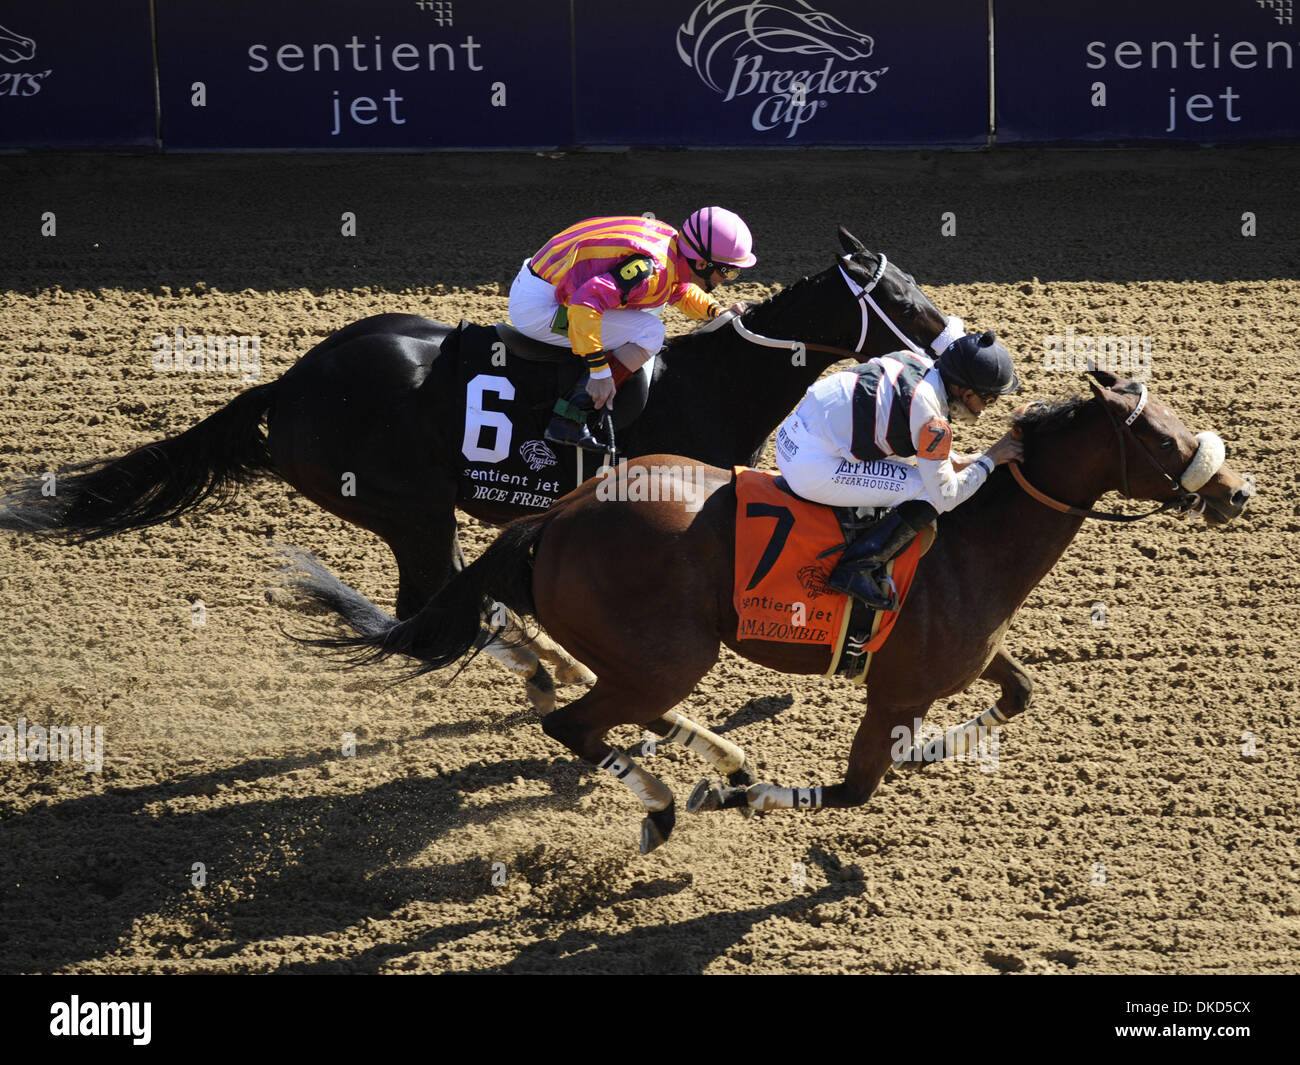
(564, 431)
(879, 594)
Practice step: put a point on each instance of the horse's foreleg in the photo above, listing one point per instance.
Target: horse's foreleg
(960, 741)
(723, 755)
(868, 761)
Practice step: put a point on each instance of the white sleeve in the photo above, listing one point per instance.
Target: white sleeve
(945, 486)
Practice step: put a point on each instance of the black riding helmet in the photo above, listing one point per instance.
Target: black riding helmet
(979, 362)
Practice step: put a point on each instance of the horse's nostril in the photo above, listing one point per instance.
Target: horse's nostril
(1241, 497)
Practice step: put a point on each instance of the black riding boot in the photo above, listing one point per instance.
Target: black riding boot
(861, 567)
(569, 421)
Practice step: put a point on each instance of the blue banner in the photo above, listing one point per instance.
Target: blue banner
(1206, 71)
(77, 73)
(365, 73)
(781, 73)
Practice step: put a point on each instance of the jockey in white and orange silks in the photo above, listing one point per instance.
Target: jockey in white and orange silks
(878, 436)
(599, 287)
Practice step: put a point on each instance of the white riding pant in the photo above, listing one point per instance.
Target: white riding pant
(533, 306)
(817, 470)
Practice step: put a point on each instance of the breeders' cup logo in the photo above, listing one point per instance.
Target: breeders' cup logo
(729, 42)
(813, 579)
(537, 455)
(15, 48)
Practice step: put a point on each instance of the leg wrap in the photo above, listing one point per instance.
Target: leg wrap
(722, 754)
(645, 786)
(961, 742)
(771, 797)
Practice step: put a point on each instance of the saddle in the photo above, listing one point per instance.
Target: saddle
(633, 391)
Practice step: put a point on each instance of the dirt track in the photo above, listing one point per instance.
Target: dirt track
(1123, 829)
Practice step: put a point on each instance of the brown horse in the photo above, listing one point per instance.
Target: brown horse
(641, 592)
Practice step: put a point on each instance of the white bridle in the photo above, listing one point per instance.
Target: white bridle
(954, 328)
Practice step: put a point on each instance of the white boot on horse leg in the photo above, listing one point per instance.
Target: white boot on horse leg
(654, 794)
(722, 754)
(508, 643)
(523, 662)
(757, 798)
(959, 743)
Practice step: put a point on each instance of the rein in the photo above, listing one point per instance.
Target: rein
(1183, 503)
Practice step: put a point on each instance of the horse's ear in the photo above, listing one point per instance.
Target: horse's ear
(1103, 377)
(849, 242)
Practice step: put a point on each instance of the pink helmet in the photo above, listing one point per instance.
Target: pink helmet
(716, 235)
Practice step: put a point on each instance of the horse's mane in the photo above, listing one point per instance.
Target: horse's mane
(1042, 418)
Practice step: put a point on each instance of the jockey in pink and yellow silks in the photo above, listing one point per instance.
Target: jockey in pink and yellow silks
(599, 287)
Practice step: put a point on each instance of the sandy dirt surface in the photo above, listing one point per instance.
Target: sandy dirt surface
(1140, 818)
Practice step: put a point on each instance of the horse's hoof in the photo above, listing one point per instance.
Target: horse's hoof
(710, 795)
(657, 827)
(743, 778)
(706, 796)
(575, 674)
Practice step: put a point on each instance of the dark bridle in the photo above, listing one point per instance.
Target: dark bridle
(1182, 503)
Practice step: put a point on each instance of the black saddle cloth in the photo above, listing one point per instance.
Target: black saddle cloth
(510, 383)
(632, 394)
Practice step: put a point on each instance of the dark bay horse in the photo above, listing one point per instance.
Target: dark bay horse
(374, 400)
(651, 630)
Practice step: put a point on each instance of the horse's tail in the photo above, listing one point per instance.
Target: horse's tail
(150, 485)
(449, 625)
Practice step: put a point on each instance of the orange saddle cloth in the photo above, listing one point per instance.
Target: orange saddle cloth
(781, 591)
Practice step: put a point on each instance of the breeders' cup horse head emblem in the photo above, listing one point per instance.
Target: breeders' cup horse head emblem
(813, 579)
(537, 455)
(772, 25)
(15, 48)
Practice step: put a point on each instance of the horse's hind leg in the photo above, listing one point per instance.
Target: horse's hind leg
(961, 740)
(582, 724)
(722, 754)
(568, 670)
